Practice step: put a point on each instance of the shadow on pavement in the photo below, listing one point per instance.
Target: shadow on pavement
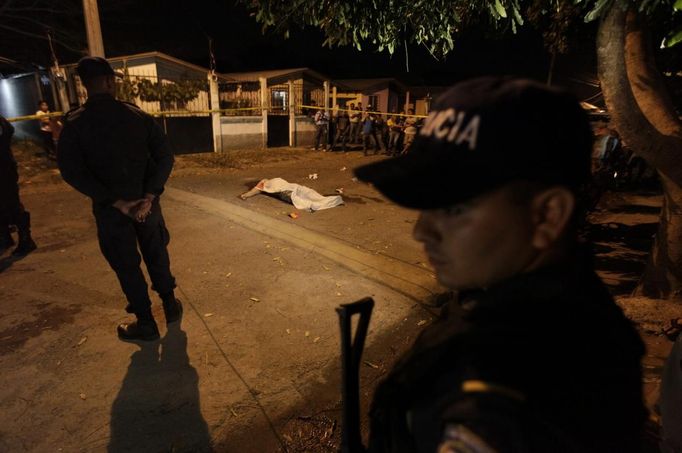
(7, 261)
(158, 406)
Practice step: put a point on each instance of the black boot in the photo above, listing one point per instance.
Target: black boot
(26, 244)
(142, 329)
(172, 308)
(6, 240)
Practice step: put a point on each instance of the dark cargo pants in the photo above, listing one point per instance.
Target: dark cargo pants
(119, 237)
(12, 212)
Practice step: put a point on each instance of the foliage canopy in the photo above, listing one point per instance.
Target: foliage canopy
(434, 24)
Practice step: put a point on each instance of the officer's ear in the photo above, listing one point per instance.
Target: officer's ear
(552, 210)
(110, 82)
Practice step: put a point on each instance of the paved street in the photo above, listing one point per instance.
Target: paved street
(258, 344)
(255, 363)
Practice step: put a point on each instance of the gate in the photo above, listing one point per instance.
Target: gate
(189, 134)
(278, 130)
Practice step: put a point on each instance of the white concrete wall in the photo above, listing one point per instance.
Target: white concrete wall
(240, 132)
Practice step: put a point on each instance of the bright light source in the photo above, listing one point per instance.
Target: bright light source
(8, 99)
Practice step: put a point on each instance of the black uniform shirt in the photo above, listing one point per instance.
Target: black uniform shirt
(111, 150)
(550, 362)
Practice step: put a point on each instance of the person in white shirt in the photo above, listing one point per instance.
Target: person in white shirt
(46, 128)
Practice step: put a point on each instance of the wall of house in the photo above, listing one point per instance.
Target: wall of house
(382, 100)
(344, 99)
(420, 107)
(239, 132)
(394, 102)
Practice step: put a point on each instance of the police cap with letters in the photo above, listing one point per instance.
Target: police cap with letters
(483, 133)
(90, 67)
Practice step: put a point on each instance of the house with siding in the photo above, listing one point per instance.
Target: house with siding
(383, 94)
(288, 96)
(188, 133)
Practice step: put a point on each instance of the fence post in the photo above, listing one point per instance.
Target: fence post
(407, 101)
(334, 100)
(59, 82)
(327, 141)
(264, 109)
(292, 114)
(215, 116)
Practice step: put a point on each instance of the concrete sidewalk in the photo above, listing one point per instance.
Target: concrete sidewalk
(257, 346)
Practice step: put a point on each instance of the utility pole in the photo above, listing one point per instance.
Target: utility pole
(58, 79)
(93, 29)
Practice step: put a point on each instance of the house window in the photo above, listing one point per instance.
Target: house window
(279, 99)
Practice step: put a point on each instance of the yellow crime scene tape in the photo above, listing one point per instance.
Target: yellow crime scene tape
(164, 113)
(317, 107)
(208, 111)
(203, 112)
(35, 117)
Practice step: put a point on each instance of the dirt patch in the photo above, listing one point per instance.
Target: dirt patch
(47, 318)
(239, 159)
(33, 164)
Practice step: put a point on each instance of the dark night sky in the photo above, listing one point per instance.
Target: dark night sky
(240, 45)
(179, 28)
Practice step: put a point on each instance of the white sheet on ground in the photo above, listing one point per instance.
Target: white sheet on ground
(302, 197)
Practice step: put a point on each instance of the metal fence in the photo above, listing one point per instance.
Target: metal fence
(240, 98)
(153, 94)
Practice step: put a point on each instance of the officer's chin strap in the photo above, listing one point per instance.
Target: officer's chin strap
(477, 386)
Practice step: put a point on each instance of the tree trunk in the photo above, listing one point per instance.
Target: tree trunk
(643, 114)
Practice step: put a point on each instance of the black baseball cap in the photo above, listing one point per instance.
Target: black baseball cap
(483, 133)
(90, 67)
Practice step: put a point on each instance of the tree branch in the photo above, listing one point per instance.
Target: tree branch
(6, 6)
(37, 36)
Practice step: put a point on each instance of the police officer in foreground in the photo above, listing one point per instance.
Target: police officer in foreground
(535, 356)
(118, 156)
(12, 212)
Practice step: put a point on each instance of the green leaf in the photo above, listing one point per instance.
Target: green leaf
(678, 5)
(500, 9)
(517, 14)
(673, 39)
(599, 7)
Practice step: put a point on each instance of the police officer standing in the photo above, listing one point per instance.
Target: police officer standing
(118, 156)
(12, 212)
(535, 356)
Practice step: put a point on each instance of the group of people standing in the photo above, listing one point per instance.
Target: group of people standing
(355, 126)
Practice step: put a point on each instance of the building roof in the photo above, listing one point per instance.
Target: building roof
(276, 76)
(160, 56)
(13, 68)
(372, 85)
(422, 91)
